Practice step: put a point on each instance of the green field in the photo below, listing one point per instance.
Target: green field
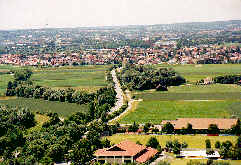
(4, 79)
(192, 73)
(193, 141)
(81, 77)
(156, 111)
(189, 100)
(64, 109)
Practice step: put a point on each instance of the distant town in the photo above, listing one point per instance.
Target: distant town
(183, 43)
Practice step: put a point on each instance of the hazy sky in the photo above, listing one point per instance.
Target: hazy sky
(76, 13)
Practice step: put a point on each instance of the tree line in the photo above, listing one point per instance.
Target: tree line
(99, 103)
(227, 79)
(168, 128)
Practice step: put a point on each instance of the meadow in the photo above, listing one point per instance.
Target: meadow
(193, 141)
(192, 73)
(64, 109)
(189, 100)
(88, 78)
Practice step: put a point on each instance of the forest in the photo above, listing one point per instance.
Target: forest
(140, 77)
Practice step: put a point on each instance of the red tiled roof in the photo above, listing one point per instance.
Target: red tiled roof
(128, 148)
(147, 155)
(201, 123)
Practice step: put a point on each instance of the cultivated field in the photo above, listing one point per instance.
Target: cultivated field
(196, 72)
(193, 141)
(88, 78)
(64, 109)
(189, 100)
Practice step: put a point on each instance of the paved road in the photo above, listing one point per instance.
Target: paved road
(119, 95)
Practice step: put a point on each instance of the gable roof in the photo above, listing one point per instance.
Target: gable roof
(201, 123)
(127, 148)
(147, 155)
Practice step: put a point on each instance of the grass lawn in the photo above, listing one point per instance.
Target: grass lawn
(64, 109)
(193, 141)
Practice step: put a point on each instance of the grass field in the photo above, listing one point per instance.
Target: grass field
(83, 77)
(210, 101)
(156, 111)
(88, 78)
(192, 73)
(64, 109)
(193, 141)
(189, 100)
(4, 79)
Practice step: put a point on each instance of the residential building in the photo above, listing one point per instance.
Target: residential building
(125, 152)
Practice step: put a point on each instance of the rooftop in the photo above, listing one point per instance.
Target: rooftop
(202, 123)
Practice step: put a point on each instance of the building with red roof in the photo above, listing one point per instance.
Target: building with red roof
(125, 152)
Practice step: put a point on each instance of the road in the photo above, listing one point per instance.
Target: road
(119, 95)
(120, 98)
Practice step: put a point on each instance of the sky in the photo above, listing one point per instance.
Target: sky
(25, 14)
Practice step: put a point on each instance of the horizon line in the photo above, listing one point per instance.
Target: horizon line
(102, 26)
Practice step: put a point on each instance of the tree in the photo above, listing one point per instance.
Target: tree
(176, 147)
(213, 129)
(105, 143)
(152, 142)
(133, 128)
(169, 145)
(168, 128)
(236, 129)
(81, 152)
(217, 144)
(155, 130)
(146, 127)
(208, 143)
(189, 129)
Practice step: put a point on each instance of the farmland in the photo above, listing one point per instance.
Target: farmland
(189, 100)
(196, 72)
(64, 109)
(88, 78)
(191, 140)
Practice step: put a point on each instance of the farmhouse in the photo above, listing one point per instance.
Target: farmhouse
(201, 123)
(125, 152)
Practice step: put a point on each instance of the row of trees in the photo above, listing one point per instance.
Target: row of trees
(140, 77)
(99, 102)
(168, 128)
(212, 129)
(228, 79)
